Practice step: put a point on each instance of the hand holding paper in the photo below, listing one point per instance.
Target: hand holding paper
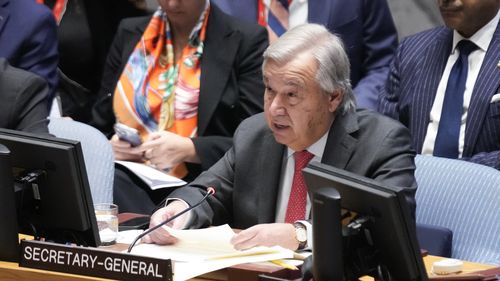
(203, 244)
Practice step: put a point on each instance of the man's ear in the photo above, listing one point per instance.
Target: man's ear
(335, 99)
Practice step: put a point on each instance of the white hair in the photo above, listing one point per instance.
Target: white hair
(333, 64)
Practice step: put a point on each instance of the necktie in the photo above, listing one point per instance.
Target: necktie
(296, 208)
(446, 144)
(277, 19)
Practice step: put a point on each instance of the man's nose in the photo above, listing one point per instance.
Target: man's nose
(277, 106)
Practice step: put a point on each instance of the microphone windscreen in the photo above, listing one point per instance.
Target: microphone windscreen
(211, 190)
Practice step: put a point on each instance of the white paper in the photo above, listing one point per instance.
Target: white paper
(187, 270)
(154, 178)
(199, 251)
(217, 237)
(128, 236)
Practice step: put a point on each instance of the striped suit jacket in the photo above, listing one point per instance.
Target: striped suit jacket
(412, 84)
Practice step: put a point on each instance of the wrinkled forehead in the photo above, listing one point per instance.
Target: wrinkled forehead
(296, 72)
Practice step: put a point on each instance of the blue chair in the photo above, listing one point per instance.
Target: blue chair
(465, 198)
(97, 154)
(437, 240)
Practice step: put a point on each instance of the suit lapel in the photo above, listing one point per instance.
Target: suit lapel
(130, 44)
(4, 13)
(340, 144)
(216, 65)
(487, 84)
(269, 183)
(430, 65)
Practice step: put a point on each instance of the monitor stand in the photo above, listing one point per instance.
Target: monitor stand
(329, 242)
(327, 235)
(9, 241)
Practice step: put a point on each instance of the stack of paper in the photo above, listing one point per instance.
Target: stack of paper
(199, 251)
(154, 178)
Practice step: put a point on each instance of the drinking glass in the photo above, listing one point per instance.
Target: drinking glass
(107, 222)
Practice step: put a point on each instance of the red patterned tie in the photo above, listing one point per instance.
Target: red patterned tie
(296, 209)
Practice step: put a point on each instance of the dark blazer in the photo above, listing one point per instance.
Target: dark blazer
(231, 87)
(411, 87)
(247, 178)
(365, 26)
(23, 95)
(28, 39)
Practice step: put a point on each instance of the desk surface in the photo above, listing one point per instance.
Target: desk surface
(11, 271)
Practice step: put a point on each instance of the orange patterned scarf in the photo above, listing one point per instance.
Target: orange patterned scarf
(153, 92)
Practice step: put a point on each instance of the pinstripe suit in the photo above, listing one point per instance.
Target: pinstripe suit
(412, 85)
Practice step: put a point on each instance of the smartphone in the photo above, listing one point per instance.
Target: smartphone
(125, 133)
(134, 223)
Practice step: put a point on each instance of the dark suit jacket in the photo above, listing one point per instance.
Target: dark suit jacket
(23, 97)
(247, 178)
(365, 26)
(231, 87)
(28, 39)
(411, 88)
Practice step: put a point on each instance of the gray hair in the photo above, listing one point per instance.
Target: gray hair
(333, 64)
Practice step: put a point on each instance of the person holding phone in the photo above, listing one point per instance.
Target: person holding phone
(184, 79)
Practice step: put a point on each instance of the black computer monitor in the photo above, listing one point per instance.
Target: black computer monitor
(381, 240)
(9, 246)
(57, 205)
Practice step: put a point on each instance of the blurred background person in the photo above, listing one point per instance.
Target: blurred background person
(24, 100)
(82, 54)
(412, 16)
(444, 84)
(365, 26)
(184, 78)
(28, 40)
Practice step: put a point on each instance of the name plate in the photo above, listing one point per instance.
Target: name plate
(93, 262)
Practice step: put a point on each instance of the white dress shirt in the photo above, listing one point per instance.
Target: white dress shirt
(286, 179)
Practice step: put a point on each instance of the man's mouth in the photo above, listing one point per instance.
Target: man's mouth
(280, 126)
(449, 10)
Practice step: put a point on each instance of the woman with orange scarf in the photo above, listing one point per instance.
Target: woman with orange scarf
(184, 78)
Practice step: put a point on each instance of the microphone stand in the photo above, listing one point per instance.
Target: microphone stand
(210, 191)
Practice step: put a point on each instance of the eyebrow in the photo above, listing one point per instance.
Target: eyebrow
(295, 82)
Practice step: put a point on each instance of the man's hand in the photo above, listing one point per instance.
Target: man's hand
(124, 151)
(281, 234)
(161, 235)
(165, 149)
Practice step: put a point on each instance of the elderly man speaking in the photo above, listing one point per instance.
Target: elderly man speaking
(309, 114)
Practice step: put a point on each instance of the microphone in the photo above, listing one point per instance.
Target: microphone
(210, 191)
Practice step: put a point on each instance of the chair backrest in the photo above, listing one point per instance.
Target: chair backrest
(464, 197)
(436, 240)
(97, 153)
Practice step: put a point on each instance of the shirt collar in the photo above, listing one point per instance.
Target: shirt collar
(482, 37)
(316, 148)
